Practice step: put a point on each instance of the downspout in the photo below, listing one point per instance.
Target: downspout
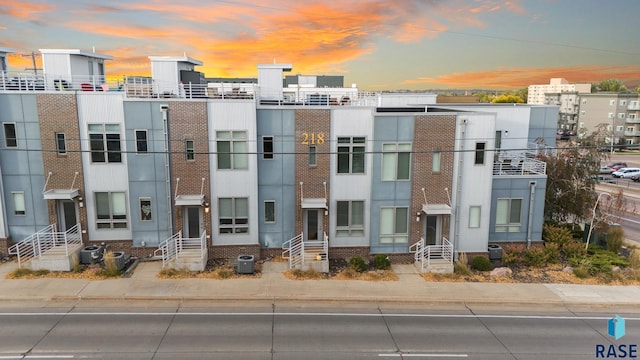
(164, 109)
(456, 227)
(532, 191)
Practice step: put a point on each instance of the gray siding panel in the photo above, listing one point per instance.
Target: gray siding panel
(147, 177)
(22, 168)
(518, 187)
(276, 180)
(388, 129)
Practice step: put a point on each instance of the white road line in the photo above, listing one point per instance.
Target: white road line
(488, 316)
(36, 357)
(425, 355)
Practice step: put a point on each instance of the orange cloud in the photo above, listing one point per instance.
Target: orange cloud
(23, 9)
(519, 78)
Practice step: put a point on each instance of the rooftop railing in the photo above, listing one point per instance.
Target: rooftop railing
(146, 87)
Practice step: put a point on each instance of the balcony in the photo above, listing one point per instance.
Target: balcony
(145, 87)
(633, 105)
(518, 164)
(631, 133)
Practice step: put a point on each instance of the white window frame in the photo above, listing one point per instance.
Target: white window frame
(61, 139)
(480, 151)
(436, 159)
(390, 156)
(266, 212)
(236, 224)
(105, 131)
(313, 156)
(19, 203)
(351, 228)
(139, 142)
(146, 210)
(267, 155)
(190, 150)
(237, 159)
(117, 217)
(475, 215)
(394, 236)
(504, 221)
(350, 144)
(15, 135)
(621, 115)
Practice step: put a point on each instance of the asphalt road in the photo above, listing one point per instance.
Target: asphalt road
(299, 331)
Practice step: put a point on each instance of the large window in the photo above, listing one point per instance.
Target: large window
(351, 155)
(267, 147)
(61, 144)
(105, 143)
(10, 135)
(394, 225)
(232, 150)
(111, 210)
(350, 218)
(141, 141)
(480, 147)
(396, 161)
(234, 215)
(18, 203)
(508, 215)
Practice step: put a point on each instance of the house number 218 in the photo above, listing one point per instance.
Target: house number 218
(312, 138)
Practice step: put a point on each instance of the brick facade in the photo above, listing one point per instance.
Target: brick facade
(432, 133)
(188, 121)
(313, 126)
(58, 113)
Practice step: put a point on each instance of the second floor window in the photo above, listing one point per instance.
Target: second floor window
(232, 150)
(396, 162)
(189, 150)
(479, 160)
(10, 135)
(351, 155)
(267, 147)
(61, 144)
(105, 143)
(141, 141)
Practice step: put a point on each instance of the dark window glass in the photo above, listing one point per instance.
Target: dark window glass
(267, 147)
(61, 144)
(141, 141)
(10, 137)
(97, 147)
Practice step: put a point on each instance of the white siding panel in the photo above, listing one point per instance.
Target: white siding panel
(237, 115)
(351, 122)
(103, 177)
(472, 183)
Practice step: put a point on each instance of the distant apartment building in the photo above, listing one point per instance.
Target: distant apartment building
(536, 93)
(568, 109)
(617, 113)
(155, 165)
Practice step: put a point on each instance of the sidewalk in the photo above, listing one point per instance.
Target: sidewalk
(410, 288)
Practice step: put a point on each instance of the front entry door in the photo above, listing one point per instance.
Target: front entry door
(192, 221)
(67, 215)
(432, 230)
(313, 225)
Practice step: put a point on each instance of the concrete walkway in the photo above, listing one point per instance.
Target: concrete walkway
(273, 285)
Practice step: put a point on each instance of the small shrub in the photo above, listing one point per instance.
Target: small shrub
(615, 239)
(381, 262)
(110, 265)
(573, 249)
(552, 252)
(534, 256)
(225, 273)
(358, 264)
(462, 265)
(481, 263)
(557, 235)
(512, 254)
(581, 272)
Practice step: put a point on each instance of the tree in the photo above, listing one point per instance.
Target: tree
(572, 174)
(484, 97)
(508, 98)
(638, 90)
(608, 85)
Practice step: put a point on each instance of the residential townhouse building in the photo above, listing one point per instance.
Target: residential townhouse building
(260, 170)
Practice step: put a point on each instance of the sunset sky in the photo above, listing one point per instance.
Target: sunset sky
(378, 45)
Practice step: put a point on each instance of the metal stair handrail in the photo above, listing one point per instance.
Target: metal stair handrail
(168, 249)
(425, 253)
(45, 239)
(294, 250)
